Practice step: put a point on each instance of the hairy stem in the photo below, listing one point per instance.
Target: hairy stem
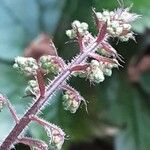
(36, 106)
(12, 111)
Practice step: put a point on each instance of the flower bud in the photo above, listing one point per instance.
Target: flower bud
(99, 15)
(26, 65)
(71, 34)
(50, 64)
(32, 88)
(94, 63)
(106, 13)
(84, 26)
(107, 71)
(94, 73)
(71, 100)
(76, 24)
(56, 136)
(77, 28)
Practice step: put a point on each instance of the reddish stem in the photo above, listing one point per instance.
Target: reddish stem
(102, 32)
(80, 42)
(79, 67)
(41, 83)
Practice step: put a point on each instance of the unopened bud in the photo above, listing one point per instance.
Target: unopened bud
(32, 88)
(84, 26)
(71, 101)
(56, 135)
(96, 75)
(94, 72)
(71, 34)
(78, 27)
(76, 24)
(107, 71)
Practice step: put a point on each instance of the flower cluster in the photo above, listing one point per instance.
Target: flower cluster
(29, 66)
(77, 28)
(96, 70)
(26, 65)
(56, 135)
(71, 99)
(47, 65)
(50, 64)
(118, 22)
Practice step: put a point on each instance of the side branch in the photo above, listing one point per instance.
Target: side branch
(25, 120)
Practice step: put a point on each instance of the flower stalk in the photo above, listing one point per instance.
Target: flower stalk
(104, 58)
(35, 108)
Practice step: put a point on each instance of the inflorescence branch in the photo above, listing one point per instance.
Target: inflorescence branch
(103, 58)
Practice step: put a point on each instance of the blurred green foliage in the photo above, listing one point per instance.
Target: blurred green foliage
(114, 103)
